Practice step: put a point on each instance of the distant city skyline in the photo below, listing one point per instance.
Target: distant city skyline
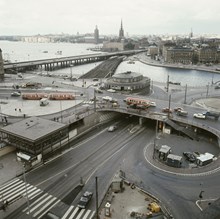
(142, 17)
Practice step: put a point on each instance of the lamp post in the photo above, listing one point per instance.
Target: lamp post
(26, 191)
(207, 92)
(185, 94)
(71, 73)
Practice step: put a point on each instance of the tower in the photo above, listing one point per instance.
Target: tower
(1, 66)
(121, 32)
(96, 35)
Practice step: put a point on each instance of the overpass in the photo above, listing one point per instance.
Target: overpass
(63, 62)
(173, 121)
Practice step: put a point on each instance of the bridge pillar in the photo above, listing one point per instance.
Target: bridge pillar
(141, 120)
(2, 72)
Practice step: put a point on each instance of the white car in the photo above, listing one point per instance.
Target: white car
(152, 104)
(15, 94)
(199, 115)
(107, 98)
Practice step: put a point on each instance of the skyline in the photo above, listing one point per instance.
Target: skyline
(144, 17)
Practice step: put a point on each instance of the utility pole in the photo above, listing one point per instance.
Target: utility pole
(185, 94)
(169, 106)
(96, 188)
(168, 82)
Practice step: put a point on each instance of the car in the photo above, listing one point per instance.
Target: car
(189, 156)
(111, 90)
(112, 128)
(199, 115)
(182, 113)
(152, 104)
(107, 98)
(167, 110)
(16, 94)
(85, 199)
(176, 109)
(97, 90)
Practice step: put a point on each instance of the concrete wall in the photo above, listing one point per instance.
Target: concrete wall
(95, 119)
(6, 150)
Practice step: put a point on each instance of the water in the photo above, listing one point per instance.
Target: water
(21, 51)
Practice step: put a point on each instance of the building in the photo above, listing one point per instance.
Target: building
(128, 82)
(179, 55)
(207, 55)
(34, 136)
(112, 46)
(96, 35)
(1, 66)
(121, 32)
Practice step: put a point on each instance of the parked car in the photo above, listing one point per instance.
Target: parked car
(189, 156)
(112, 128)
(167, 110)
(85, 199)
(199, 115)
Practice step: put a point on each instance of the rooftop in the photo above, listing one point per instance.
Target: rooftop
(33, 128)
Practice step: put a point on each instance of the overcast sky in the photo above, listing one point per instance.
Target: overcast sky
(29, 17)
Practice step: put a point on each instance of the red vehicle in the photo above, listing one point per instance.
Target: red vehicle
(137, 102)
(167, 110)
(34, 96)
(62, 96)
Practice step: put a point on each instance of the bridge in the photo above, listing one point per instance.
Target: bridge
(63, 62)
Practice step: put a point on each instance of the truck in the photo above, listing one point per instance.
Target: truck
(213, 114)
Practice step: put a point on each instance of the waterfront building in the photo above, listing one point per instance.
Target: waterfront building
(179, 55)
(207, 55)
(128, 82)
(1, 66)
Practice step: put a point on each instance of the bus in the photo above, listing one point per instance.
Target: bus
(138, 103)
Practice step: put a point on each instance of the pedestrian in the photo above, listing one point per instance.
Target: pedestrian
(19, 110)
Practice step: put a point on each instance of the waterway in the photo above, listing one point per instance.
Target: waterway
(21, 51)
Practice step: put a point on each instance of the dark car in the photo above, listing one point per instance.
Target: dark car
(189, 156)
(167, 110)
(85, 199)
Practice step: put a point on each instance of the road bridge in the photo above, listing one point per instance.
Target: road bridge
(63, 62)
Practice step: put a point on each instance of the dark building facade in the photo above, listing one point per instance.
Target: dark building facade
(129, 82)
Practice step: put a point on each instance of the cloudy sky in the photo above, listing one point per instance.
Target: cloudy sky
(29, 17)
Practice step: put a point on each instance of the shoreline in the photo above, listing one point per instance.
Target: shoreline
(155, 63)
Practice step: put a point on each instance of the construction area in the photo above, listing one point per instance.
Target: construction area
(126, 201)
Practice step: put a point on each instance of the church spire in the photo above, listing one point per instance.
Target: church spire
(121, 31)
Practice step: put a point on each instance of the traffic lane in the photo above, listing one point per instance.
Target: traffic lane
(108, 167)
(168, 188)
(49, 173)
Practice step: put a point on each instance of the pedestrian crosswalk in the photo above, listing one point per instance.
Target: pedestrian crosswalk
(39, 202)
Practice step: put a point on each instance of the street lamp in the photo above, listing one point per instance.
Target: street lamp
(23, 158)
(71, 73)
(185, 94)
(207, 92)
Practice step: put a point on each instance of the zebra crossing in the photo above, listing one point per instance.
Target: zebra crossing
(39, 202)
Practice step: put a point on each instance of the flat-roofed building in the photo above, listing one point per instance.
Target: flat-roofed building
(35, 136)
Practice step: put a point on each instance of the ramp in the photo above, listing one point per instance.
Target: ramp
(179, 128)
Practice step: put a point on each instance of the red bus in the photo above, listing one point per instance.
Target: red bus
(137, 102)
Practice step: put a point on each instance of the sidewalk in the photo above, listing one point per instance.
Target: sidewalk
(9, 167)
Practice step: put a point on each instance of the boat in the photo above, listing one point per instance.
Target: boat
(58, 53)
(45, 51)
